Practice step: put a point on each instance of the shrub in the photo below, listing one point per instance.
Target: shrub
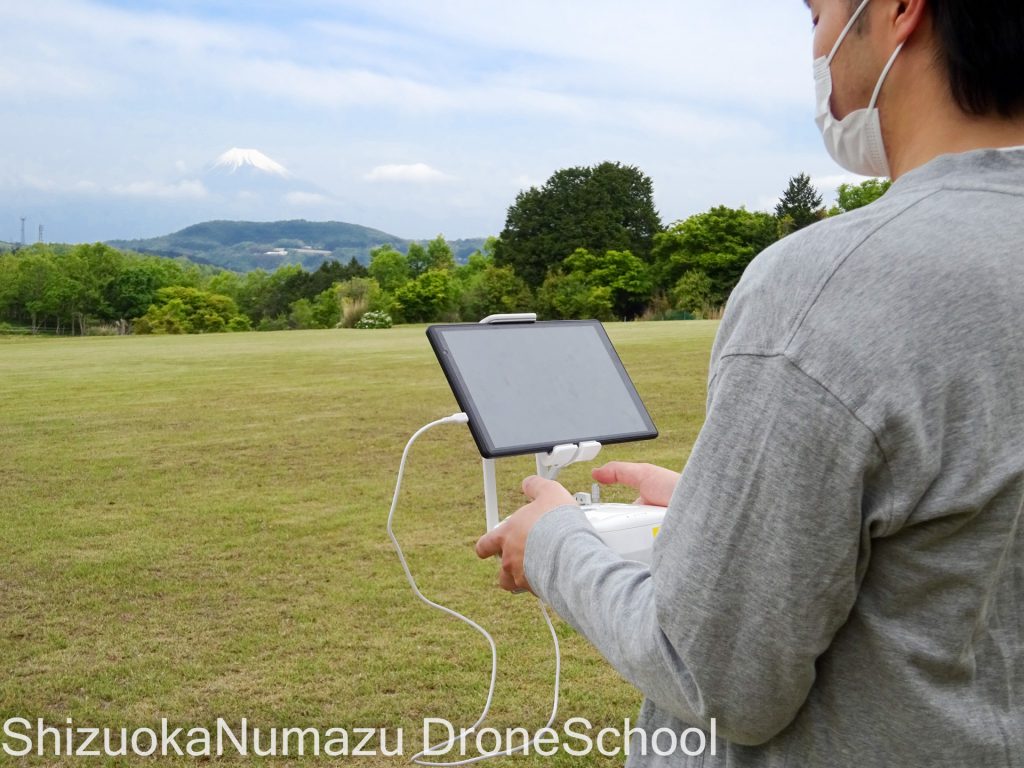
(374, 320)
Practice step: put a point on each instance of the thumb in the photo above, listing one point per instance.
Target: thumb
(535, 485)
(489, 545)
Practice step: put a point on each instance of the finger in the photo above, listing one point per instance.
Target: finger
(535, 485)
(621, 473)
(488, 545)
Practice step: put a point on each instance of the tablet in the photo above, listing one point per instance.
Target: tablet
(528, 387)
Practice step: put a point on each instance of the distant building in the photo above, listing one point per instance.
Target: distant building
(283, 252)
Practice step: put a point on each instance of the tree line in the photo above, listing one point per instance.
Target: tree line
(588, 243)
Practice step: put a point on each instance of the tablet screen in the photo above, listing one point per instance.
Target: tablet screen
(528, 387)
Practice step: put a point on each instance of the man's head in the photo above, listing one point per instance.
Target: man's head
(955, 84)
(978, 44)
(981, 46)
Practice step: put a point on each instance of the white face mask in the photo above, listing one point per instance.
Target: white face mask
(855, 142)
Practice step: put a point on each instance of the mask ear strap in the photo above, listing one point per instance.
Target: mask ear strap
(885, 74)
(846, 29)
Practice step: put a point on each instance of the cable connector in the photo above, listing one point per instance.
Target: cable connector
(456, 418)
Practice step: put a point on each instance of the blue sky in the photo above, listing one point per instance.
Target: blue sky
(417, 117)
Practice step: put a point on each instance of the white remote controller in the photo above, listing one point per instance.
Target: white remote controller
(628, 529)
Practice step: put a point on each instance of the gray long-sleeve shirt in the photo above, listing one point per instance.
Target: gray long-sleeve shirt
(840, 577)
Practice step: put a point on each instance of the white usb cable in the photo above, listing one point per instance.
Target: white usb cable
(442, 748)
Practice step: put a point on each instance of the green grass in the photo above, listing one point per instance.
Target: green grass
(193, 528)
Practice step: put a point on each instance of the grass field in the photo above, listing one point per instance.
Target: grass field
(193, 528)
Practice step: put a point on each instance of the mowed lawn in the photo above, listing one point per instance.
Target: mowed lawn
(192, 528)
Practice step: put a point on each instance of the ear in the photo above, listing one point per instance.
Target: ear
(907, 16)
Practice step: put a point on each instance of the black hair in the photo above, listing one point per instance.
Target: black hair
(981, 45)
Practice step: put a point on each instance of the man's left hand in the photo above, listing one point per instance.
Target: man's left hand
(509, 539)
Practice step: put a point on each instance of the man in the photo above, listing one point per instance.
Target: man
(840, 577)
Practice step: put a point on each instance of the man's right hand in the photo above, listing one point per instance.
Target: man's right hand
(655, 484)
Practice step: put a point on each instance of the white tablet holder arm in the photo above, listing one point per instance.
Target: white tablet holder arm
(629, 529)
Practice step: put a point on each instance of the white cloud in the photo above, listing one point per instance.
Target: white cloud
(306, 198)
(416, 172)
(183, 190)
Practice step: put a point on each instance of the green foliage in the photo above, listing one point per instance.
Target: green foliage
(608, 207)
(625, 276)
(417, 260)
(37, 285)
(8, 282)
(301, 315)
(569, 296)
(355, 297)
(188, 310)
(719, 243)
(494, 290)
(440, 255)
(694, 293)
(800, 205)
(428, 298)
(326, 309)
(437, 254)
(854, 196)
(389, 268)
(374, 319)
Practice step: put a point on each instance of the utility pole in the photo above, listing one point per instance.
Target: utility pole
(40, 233)
(23, 230)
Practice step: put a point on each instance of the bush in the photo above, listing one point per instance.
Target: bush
(374, 320)
(694, 292)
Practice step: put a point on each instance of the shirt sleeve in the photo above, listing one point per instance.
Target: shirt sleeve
(756, 567)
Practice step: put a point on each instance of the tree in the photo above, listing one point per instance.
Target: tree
(326, 311)
(608, 207)
(300, 315)
(494, 290)
(569, 296)
(416, 258)
(182, 309)
(439, 254)
(8, 284)
(428, 298)
(37, 273)
(800, 205)
(389, 268)
(854, 196)
(625, 276)
(694, 292)
(283, 287)
(719, 243)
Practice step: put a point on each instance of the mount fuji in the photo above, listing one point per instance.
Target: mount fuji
(237, 160)
(255, 178)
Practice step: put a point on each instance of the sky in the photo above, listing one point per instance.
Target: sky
(417, 117)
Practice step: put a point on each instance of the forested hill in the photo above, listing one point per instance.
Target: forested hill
(246, 245)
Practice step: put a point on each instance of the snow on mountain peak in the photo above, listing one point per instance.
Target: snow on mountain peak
(236, 158)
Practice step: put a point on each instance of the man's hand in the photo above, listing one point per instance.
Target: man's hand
(509, 539)
(655, 484)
